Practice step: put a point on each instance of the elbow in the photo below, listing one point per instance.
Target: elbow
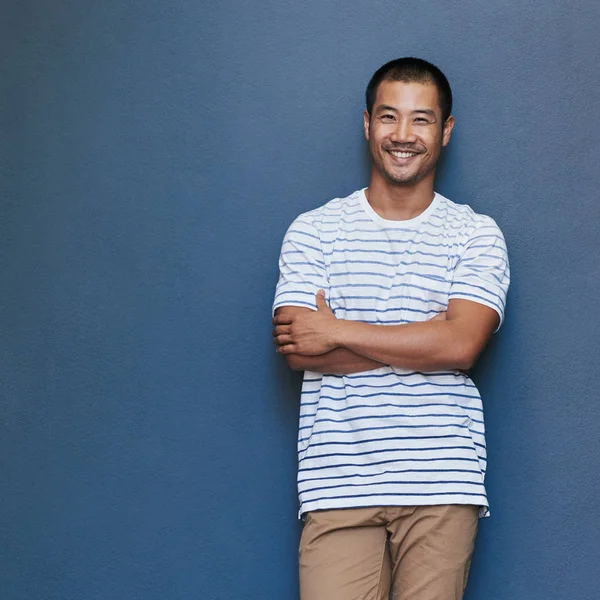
(465, 364)
(466, 358)
(295, 362)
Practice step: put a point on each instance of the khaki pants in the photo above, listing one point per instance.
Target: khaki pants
(398, 552)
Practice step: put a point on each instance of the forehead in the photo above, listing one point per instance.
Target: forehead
(408, 95)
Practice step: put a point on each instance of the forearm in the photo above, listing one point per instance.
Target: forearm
(340, 361)
(426, 346)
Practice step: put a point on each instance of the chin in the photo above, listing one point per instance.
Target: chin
(407, 179)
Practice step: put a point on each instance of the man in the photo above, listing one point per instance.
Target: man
(385, 299)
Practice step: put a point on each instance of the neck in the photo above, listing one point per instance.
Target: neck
(399, 202)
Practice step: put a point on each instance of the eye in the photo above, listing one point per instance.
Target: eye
(387, 117)
(421, 120)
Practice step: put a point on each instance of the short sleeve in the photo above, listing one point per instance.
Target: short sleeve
(302, 270)
(482, 273)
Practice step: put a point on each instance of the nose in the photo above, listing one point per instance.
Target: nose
(403, 132)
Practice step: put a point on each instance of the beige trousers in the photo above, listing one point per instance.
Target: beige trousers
(398, 552)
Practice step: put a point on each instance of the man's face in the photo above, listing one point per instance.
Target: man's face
(405, 131)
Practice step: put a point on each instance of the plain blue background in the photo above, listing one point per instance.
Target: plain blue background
(153, 154)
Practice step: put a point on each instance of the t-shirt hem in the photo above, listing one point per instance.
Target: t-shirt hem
(336, 503)
(291, 303)
(460, 296)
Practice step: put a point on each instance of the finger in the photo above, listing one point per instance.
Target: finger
(287, 349)
(321, 302)
(282, 320)
(283, 340)
(281, 329)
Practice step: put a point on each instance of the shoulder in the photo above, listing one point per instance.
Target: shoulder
(470, 223)
(329, 213)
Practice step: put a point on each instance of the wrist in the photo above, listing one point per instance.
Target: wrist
(340, 333)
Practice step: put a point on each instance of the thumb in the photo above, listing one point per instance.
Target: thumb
(321, 303)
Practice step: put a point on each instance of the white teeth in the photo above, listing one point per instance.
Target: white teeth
(403, 154)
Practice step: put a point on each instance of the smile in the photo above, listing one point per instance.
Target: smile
(402, 154)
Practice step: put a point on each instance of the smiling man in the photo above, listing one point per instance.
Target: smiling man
(385, 298)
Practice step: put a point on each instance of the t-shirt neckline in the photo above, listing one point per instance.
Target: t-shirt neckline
(389, 223)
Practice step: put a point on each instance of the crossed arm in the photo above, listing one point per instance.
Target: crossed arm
(318, 341)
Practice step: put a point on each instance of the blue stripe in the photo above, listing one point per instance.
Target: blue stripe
(503, 258)
(416, 437)
(350, 432)
(383, 405)
(387, 462)
(313, 259)
(359, 376)
(299, 231)
(287, 278)
(385, 310)
(409, 374)
(386, 404)
(490, 247)
(446, 257)
(440, 278)
(367, 406)
(342, 240)
(379, 273)
(395, 494)
(487, 236)
(390, 472)
(386, 322)
(437, 278)
(302, 245)
(360, 285)
(423, 289)
(373, 229)
(401, 450)
(294, 292)
(388, 253)
(424, 300)
(346, 222)
(474, 285)
(400, 394)
(475, 273)
(374, 440)
(388, 386)
(303, 263)
(387, 417)
(395, 238)
(374, 483)
(491, 294)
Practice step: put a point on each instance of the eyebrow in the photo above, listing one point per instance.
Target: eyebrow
(387, 107)
(425, 111)
(383, 107)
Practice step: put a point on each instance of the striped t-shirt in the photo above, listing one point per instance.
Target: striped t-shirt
(391, 436)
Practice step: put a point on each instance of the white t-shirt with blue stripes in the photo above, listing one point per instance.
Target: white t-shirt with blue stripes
(391, 437)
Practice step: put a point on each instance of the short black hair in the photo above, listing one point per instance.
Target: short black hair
(411, 69)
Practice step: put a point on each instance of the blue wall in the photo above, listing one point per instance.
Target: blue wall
(153, 154)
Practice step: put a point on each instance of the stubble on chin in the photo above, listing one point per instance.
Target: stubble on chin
(399, 178)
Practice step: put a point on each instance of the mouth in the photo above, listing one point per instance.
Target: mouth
(402, 156)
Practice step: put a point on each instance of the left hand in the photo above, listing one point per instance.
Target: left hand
(307, 333)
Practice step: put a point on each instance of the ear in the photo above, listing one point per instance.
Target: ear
(366, 123)
(447, 131)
